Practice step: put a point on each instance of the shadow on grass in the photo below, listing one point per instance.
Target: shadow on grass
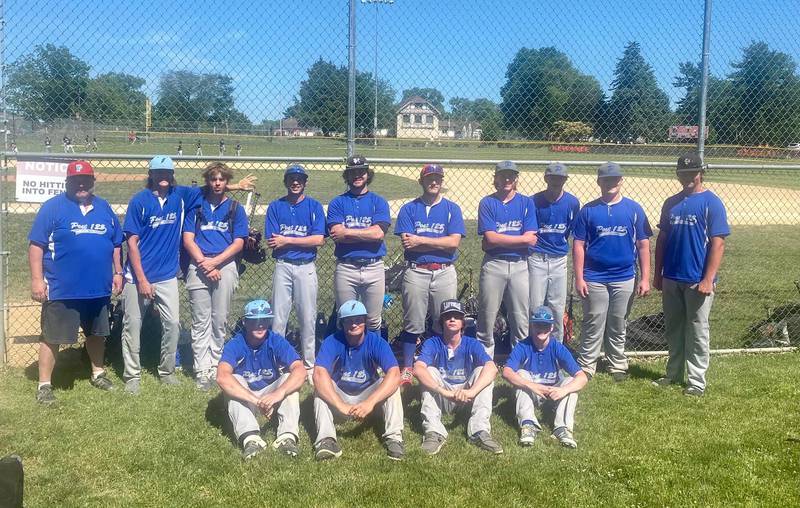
(72, 364)
(647, 372)
(217, 416)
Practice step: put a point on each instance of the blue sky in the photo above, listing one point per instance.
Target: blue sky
(460, 47)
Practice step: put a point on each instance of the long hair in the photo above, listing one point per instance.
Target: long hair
(213, 168)
(349, 171)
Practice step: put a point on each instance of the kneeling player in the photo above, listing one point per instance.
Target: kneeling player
(260, 372)
(534, 368)
(455, 371)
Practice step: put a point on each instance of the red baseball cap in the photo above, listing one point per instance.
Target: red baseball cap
(78, 168)
(431, 169)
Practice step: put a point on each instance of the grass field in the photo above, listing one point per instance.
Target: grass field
(638, 446)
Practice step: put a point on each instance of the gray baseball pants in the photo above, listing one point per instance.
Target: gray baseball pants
(605, 315)
(423, 292)
(548, 284)
(688, 333)
(503, 281)
(392, 413)
(433, 405)
(244, 415)
(210, 302)
(168, 305)
(296, 284)
(365, 283)
(528, 402)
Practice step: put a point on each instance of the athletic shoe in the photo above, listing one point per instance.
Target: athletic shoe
(328, 448)
(406, 376)
(133, 386)
(564, 436)
(485, 441)
(169, 380)
(619, 377)
(287, 446)
(693, 391)
(44, 395)
(102, 382)
(204, 382)
(394, 449)
(662, 381)
(527, 435)
(252, 448)
(432, 443)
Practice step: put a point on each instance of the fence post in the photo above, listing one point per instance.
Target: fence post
(351, 80)
(3, 258)
(701, 135)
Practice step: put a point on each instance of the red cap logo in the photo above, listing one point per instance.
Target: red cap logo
(76, 168)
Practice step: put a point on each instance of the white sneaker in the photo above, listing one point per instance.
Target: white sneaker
(527, 435)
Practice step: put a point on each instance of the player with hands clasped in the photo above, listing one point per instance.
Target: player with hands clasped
(260, 373)
(610, 233)
(455, 372)
(535, 368)
(348, 383)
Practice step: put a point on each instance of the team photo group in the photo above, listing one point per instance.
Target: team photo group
(176, 233)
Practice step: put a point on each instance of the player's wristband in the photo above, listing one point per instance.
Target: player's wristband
(119, 273)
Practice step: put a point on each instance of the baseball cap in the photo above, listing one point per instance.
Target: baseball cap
(555, 169)
(690, 161)
(431, 169)
(352, 308)
(543, 315)
(505, 166)
(78, 168)
(452, 306)
(357, 162)
(161, 162)
(609, 169)
(258, 309)
(295, 169)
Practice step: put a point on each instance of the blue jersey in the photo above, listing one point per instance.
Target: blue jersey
(514, 218)
(213, 232)
(455, 365)
(544, 365)
(354, 369)
(611, 233)
(158, 227)
(306, 218)
(690, 221)
(359, 212)
(262, 366)
(78, 249)
(555, 223)
(437, 221)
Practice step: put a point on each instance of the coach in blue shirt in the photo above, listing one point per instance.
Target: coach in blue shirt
(74, 257)
(691, 241)
(610, 232)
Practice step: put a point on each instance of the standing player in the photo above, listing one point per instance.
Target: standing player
(547, 264)
(48, 144)
(357, 221)
(535, 370)
(347, 381)
(455, 371)
(507, 222)
(295, 228)
(180, 148)
(691, 241)
(260, 373)
(238, 149)
(199, 151)
(86, 144)
(222, 148)
(74, 257)
(430, 229)
(94, 143)
(610, 233)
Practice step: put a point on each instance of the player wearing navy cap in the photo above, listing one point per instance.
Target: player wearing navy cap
(535, 369)
(610, 233)
(260, 373)
(348, 382)
(74, 286)
(213, 235)
(357, 221)
(691, 241)
(455, 371)
(430, 229)
(295, 228)
(507, 222)
(556, 210)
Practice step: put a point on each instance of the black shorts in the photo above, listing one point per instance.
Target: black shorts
(61, 318)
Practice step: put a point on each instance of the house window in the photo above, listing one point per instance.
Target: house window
(417, 118)
(406, 118)
(429, 119)
(419, 105)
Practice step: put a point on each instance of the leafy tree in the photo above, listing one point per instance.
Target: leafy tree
(115, 96)
(481, 110)
(48, 83)
(570, 131)
(188, 97)
(432, 95)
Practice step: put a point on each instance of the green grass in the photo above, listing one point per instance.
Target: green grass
(638, 446)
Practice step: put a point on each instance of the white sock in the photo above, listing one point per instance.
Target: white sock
(43, 383)
(97, 373)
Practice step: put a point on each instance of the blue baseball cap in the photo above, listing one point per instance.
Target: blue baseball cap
(542, 315)
(505, 166)
(431, 169)
(161, 162)
(295, 169)
(556, 169)
(609, 170)
(352, 308)
(258, 309)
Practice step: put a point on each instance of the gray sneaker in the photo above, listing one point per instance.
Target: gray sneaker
(693, 391)
(204, 382)
(527, 435)
(662, 381)
(45, 396)
(394, 449)
(169, 380)
(619, 377)
(564, 436)
(328, 448)
(133, 386)
(432, 443)
(485, 441)
(102, 382)
(253, 448)
(287, 446)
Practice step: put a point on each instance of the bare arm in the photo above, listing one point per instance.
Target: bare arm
(416, 242)
(388, 385)
(297, 376)
(279, 241)
(426, 380)
(38, 285)
(643, 249)
(116, 265)
(493, 239)
(341, 234)
(715, 253)
(135, 258)
(229, 253)
(485, 378)
(658, 275)
(191, 247)
(578, 256)
(231, 387)
(324, 388)
(577, 383)
(520, 382)
(246, 183)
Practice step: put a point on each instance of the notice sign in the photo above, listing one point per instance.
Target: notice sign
(39, 179)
